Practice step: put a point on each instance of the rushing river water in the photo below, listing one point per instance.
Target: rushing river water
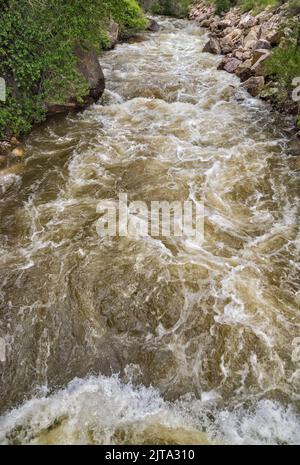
(147, 340)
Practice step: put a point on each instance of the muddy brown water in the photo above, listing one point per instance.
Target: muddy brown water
(116, 340)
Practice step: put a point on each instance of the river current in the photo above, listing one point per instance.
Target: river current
(116, 340)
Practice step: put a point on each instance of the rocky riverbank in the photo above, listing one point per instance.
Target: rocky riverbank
(247, 42)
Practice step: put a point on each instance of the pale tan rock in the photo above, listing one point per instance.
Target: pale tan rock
(18, 152)
(251, 38)
(247, 21)
(212, 46)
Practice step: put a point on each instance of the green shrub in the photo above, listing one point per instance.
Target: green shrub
(222, 6)
(284, 65)
(257, 5)
(177, 8)
(37, 42)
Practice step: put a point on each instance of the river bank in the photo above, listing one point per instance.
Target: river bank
(250, 44)
(49, 60)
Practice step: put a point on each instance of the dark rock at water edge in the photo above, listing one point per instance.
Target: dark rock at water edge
(153, 26)
(89, 67)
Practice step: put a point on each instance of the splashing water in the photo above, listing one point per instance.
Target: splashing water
(202, 338)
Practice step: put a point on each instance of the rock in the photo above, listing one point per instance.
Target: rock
(272, 32)
(260, 54)
(254, 85)
(153, 26)
(223, 24)
(294, 147)
(232, 17)
(3, 159)
(14, 141)
(229, 42)
(59, 108)
(212, 46)
(263, 17)
(5, 147)
(89, 67)
(252, 37)
(247, 21)
(244, 70)
(231, 64)
(113, 33)
(18, 152)
(274, 37)
(262, 44)
(259, 57)
(206, 22)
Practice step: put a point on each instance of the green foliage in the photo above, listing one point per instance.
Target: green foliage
(284, 62)
(37, 42)
(177, 8)
(257, 5)
(222, 6)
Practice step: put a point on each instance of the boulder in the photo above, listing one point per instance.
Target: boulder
(242, 54)
(264, 16)
(251, 38)
(294, 147)
(262, 44)
(224, 24)
(207, 22)
(18, 152)
(212, 46)
(274, 37)
(153, 25)
(247, 21)
(229, 42)
(89, 66)
(244, 70)
(259, 57)
(113, 33)
(230, 64)
(260, 54)
(254, 85)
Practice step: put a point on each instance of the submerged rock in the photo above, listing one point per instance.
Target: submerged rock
(153, 26)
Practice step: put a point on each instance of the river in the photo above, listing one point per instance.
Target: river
(119, 340)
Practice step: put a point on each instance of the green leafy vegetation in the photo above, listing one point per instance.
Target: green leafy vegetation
(256, 6)
(284, 63)
(177, 8)
(37, 43)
